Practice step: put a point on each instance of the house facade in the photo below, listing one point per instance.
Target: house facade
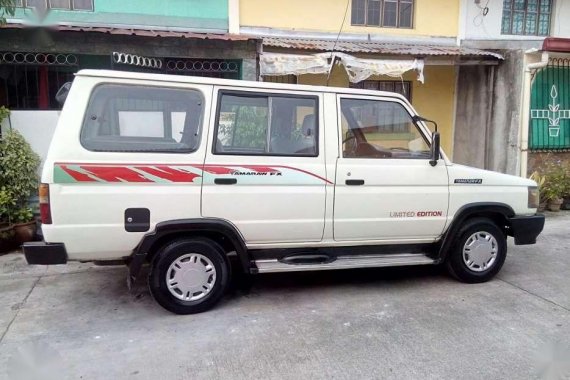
(181, 37)
(406, 46)
(520, 110)
(492, 73)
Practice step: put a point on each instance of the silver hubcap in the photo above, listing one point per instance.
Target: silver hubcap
(191, 277)
(480, 251)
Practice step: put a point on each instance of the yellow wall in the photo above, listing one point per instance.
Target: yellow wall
(434, 99)
(431, 17)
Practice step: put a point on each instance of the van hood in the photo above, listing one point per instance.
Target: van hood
(465, 175)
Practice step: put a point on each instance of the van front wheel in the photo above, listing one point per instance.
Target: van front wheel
(478, 253)
(189, 276)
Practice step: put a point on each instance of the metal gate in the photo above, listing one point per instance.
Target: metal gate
(30, 80)
(549, 127)
(217, 68)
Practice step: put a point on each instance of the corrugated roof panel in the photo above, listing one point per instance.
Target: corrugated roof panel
(138, 32)
(376, 47)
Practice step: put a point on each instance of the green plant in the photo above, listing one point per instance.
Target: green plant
(553, 177)
(6, 233)
(555, 185)
(539, 179)
(23, 215)
(7, 204)
(18, 175)
(4, 113)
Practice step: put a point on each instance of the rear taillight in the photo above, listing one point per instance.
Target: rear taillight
(45, 211)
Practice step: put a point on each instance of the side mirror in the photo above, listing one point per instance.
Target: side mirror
(435, 144)
(62, 93)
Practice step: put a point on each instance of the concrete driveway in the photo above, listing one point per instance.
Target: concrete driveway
(80, 322)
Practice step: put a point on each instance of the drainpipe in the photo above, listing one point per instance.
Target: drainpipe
(529, 69)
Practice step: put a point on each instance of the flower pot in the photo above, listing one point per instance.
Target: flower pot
(8, 240)
(566, 204)
(554, 204)
(25, 231)
(542, 206)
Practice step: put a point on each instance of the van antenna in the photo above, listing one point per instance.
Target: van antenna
(333, 59)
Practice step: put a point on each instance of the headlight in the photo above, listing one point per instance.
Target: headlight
(533, 197)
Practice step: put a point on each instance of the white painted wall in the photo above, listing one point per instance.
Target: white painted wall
(233, 16)
(560, 26)
(475, 26)
(37, 127)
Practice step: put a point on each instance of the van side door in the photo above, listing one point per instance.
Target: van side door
(385, 188)
(265, 165)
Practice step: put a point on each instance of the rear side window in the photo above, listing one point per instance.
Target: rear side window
(123, 118)
(259, 124)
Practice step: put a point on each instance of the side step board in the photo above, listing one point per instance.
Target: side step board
(345, 262)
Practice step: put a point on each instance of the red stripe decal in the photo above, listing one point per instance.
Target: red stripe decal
(306, 172)
(261, 169)
(216, 169)
(115, 173)
(168, 173)
(122, 173)
(78, 176)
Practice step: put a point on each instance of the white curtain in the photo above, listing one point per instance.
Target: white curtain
(358, 69)
(293, 64)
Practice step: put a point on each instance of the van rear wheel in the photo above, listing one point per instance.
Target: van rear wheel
(189, 276)
(478, 253)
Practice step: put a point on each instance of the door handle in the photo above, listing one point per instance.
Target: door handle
(225, 181)
(354, 182)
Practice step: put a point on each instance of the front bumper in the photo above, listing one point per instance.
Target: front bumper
(525, 229)
(42, 253)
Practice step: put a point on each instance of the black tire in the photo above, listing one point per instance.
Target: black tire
(171, 252)
(455, 262)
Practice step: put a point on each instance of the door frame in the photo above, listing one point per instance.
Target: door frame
(425, 134)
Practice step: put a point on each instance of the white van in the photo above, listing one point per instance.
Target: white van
(180, 172)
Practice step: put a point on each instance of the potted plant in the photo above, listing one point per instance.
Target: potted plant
(540, 180)
(554, 187)
(554, 201)
(6, 229)
(6, 204)
(18, 181)
(25, 224)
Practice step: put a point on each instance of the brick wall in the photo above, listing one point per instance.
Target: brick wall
(536, 160)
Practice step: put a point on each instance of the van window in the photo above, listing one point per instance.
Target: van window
(380, 129)
(123, 118)
(258, 124)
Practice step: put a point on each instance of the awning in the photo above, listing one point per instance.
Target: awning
(358, 69)
(416, 50)
(558, 45)
(383, 58)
